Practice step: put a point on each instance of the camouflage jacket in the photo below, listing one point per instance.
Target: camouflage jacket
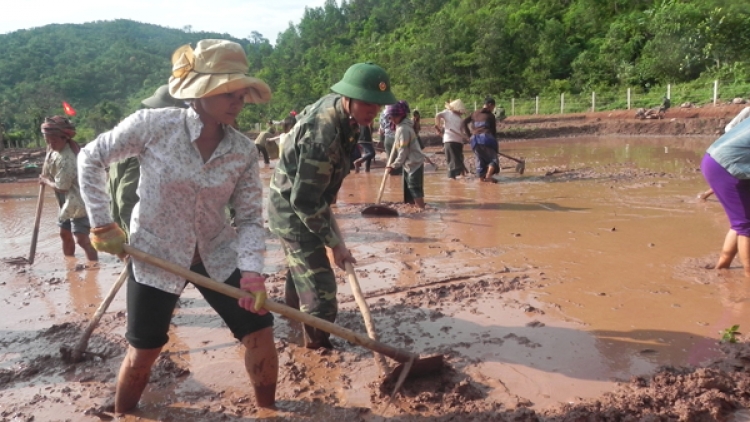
(313, 162)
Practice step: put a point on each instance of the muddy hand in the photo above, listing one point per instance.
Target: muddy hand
(342, 255)
(109, 238)
(256, 285)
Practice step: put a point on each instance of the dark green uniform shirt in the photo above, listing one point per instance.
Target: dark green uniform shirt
(123, 185)
(313, 162)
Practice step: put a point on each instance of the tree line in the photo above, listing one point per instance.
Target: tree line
(434, 50)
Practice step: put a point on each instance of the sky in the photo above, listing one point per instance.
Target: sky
(238, 18)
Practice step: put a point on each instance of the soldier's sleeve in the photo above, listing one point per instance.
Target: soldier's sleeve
(127, 195)
(314, 173)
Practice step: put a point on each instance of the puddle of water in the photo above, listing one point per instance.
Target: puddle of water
(616, 264)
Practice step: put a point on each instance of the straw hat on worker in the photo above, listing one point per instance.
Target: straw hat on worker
(456, 106)
(214, 67)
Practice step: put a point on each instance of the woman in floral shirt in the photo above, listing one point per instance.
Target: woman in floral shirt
(193, 164)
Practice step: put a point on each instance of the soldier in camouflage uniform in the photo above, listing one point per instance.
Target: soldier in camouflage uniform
(313, 162)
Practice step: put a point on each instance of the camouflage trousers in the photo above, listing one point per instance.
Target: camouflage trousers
(311, 285)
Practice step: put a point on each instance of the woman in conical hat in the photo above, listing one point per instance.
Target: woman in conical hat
(449, 123)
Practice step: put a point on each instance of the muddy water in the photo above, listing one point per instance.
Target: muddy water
(605, 252)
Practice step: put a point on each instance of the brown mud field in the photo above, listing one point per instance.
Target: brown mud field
(574, 292)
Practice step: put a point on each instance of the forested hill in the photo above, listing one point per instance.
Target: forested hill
(434, 50)
(102, 68)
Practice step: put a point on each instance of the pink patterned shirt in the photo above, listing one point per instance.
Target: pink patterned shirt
(183, 200)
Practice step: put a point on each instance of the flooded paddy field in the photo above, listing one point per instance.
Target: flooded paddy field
(576, 291)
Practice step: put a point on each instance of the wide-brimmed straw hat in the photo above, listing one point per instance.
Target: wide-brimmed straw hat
(162, 99)
(214, 67)
(456, 105)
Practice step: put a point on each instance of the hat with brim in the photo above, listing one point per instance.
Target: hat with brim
(162, 99)
(366, 82)
(215, 67)
(456, 106)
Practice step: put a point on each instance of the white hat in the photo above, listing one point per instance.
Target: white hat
(456, 105)
(214, 67)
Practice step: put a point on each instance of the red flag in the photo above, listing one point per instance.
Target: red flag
(70, 111)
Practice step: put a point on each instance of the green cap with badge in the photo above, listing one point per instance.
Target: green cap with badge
(366, 82)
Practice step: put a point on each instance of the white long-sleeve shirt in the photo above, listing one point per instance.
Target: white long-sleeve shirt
(183, 200)
(452, 124)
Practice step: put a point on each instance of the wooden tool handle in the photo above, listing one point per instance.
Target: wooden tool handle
(360, 298)
(398, 355)
(84, 341)
(391, 157)
(464, 137)
(35, 233)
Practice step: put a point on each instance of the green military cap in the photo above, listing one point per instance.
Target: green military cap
(366, 82)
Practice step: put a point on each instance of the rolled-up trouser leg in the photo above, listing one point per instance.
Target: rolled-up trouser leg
(315, 285)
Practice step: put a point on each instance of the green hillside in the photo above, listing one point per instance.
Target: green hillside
(434, 50)
(102, 69)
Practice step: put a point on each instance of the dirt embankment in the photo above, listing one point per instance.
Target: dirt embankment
(705, 120)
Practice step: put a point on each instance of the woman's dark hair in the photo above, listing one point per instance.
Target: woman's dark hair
(289, 122)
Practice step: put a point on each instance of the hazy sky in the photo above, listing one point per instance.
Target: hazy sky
(238, 18)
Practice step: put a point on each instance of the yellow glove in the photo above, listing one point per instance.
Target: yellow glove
(109, 238)
(257, 288)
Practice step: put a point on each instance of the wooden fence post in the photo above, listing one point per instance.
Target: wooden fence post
(562, 103)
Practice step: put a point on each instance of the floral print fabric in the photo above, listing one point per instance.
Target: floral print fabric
(183, 200)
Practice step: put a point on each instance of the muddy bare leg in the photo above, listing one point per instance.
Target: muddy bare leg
(84, 242)
(133, 377)
(68, 244)
(703, 196)
(419, 202)
(728, 250)
(743, 250)
(262, 365)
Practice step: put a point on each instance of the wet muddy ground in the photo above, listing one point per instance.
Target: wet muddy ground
(576, 291)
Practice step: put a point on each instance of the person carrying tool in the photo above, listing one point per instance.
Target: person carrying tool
(387, 136)
(410, 155)
(482, 128)
(124, 174)
(193, 164)
(313, 161)
(448, 123)
(61, 174)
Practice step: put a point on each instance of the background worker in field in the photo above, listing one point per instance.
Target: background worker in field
(262, 139)
(193, 165)
(387, 137)
(410, 155)
(60, 173)
(313, 161)
(124, 174)
(481, 126)
(448, 123)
